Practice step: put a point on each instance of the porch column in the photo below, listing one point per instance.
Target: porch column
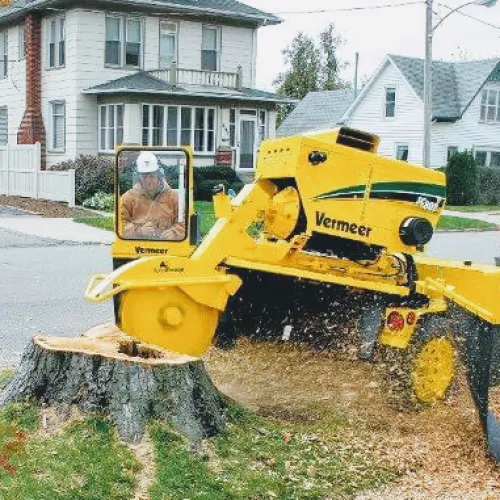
(132, 125)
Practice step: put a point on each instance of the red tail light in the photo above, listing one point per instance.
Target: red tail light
(395, 321)
(411, 318)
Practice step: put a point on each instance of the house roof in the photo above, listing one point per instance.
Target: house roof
(142, 82)
(231, 9)
(454, 84)
(317, 111)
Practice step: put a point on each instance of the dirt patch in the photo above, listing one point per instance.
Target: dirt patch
(54, 419)
(144, 452)
(439, 452)
(52, 209)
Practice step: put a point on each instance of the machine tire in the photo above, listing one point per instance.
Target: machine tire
(411, 379)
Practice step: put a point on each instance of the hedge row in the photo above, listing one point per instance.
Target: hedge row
(468, 184)
(95, 174)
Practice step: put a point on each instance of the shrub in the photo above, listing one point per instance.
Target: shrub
(92, 174)
(100, 201)
(206, 178)
(488, 186)
(461, 179)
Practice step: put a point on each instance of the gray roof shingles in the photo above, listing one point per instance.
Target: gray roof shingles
(227, 8)
(455, 84)
(143, 83)
(317, 111)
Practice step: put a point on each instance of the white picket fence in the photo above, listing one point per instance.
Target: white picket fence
(20, 175)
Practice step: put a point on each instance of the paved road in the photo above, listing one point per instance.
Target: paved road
(42, 286)
(480, 247)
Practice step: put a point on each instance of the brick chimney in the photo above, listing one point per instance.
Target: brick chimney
(32, 129)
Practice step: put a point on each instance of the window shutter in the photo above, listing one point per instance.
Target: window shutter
(4, 126)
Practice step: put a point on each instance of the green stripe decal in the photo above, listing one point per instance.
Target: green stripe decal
(350, 191)
(415, 188)
(418, 188)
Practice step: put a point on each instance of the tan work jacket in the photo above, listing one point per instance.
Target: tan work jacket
(138, 208)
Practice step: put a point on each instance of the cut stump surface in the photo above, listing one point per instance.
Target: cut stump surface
(105, 371)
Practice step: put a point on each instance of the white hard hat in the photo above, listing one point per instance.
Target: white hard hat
(147, 163)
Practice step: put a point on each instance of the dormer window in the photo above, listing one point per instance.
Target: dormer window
(210, 48)
(390, 102)
(490, 104)
(168, 44)
(123, 41)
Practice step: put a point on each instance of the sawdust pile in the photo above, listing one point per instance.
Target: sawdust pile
(439, 452)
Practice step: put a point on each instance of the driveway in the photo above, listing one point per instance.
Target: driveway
(42, 289)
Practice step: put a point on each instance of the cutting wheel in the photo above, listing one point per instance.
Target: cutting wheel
(168, 318)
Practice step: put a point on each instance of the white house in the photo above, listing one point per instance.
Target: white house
(465, 110)
(84, 77)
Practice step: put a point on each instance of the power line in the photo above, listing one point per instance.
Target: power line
(350, 9)
(469, 16)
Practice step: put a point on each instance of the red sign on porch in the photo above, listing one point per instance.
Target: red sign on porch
(224, 157)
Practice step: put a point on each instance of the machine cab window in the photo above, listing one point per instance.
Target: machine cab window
(152, 195)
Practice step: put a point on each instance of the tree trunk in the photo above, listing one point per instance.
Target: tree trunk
(106, 372)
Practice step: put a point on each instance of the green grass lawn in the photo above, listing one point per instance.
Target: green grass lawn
(447, 222)
(204, 209)
(207, 219)
(254, 457)
(84, 461)
(475, 208)
(260, 457)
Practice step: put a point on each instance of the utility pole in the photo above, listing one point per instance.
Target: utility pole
(356, 63)
(428, 85)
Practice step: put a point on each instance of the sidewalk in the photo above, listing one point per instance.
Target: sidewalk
(494, 217)
(57, 229)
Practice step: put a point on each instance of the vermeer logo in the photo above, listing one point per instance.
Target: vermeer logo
(164, 268)
(151, 251)
(342, 225)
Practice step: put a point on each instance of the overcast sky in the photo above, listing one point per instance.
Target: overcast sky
(375, 33)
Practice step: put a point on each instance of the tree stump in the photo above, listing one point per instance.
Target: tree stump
(104, 371)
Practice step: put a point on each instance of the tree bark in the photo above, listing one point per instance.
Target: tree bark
(106, 372)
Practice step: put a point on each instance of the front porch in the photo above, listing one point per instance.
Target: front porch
(222, 123)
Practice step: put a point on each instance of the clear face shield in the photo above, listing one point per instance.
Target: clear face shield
(153, 183)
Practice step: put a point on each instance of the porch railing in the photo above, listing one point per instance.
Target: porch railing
(175, 75)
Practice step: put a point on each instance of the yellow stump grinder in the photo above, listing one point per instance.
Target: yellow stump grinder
(328, 234)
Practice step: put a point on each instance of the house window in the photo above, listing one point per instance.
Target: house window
(402, 152)
(57, 42)
(58, 122)
(113, 41)
(262, 125)
(172, 126)
(179, 126)
(232, 128)
(123, 41)
(450, 152)
(210, 48)
(4, 126)
(487, 158)
(168, 44)
(390, 102)
(110, 126)
(133, 43)
(22, 42)
(490, 104)
(4, 55)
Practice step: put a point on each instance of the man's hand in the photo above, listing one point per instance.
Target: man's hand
(148, 230)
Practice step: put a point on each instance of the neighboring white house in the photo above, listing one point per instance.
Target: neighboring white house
(466, 109)
(83, 79)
